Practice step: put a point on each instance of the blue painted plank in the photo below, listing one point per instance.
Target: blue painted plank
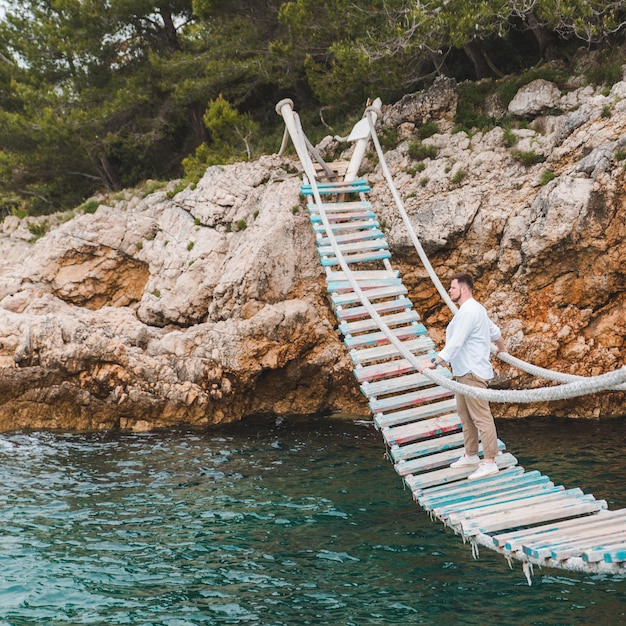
(357, 258)
(418, 482)
(470, 490)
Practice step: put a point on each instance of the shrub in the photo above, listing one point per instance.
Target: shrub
(509, 137)
(620, 155)
(458, 177)
(546, 177)
(528, 158)
(241, 225)
(427, 130)
(418, 151)
(190, 245)
(91, 206)
(38, 230)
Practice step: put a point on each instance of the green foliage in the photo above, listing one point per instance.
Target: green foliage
(469, 111)
(230, 133)
(458, 177)
(414, 169)
(509, 137)
(242, 225)
(103, 95)
(91, 206)
(546, 177)
(606, 111)
(528, 158)
(190, 245)
(419, 151)
(620, 155)
(427, 130)
(38, 230)
(183, 184)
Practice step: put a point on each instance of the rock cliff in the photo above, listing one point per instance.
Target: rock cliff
(206, 305)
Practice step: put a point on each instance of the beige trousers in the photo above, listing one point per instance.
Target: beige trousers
(476, 419)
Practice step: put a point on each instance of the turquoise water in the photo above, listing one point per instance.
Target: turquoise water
(274, 523)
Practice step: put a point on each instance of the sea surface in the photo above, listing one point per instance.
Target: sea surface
(275, 522)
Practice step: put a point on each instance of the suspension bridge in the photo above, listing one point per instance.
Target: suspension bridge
(518, 513)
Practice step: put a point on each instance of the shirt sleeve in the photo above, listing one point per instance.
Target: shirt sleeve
(494, 331)
(462, 330)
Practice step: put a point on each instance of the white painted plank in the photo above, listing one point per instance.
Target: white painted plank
(530, 536)
(418, 482)
(395, 319)
(417, 345)
(570, 507)
(401, 418)
(398, 384)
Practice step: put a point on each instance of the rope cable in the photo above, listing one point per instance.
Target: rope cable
(529, 368)
(569, 390)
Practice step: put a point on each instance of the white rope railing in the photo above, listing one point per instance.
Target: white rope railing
(578, 388)
(529, 368)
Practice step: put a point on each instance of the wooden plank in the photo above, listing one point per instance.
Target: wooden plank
(517, 494)
(408, 433)
(429, 446)
(434, 461)
(342, 287)
(388, 306)
(576, 546)
(378, 371)
(563, 535)
(360, 246)
(357, 185)
(423, 428)
(540, 534)
(418, 345)
(394, 287)
(609, 553)
(330, 207)
(528, 515)
(497, 491)
(375, 339)
(359, 275)
(357, 258)
(409, 399)
(356, 235)
(418, 482)
(337, 227)
(470, 490)
(367, 325)
(508, 509)
(398, 384)
(334, 218)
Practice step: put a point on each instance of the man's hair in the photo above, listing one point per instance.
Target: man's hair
(463, 278)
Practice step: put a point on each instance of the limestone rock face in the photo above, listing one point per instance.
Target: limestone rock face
(207, 305)
(537, 96)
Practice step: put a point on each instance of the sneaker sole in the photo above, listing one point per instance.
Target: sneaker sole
(483, 475)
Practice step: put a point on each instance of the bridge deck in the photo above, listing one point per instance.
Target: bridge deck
(520, 514)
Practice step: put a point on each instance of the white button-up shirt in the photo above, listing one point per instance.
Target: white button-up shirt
(468, 341)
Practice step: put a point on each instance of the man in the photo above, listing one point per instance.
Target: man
(468, 344)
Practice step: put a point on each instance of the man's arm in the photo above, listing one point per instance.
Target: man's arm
(500, 345)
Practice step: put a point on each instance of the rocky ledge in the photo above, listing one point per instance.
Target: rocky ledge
(204, 306)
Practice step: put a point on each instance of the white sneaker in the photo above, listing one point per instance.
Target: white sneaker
(466, 461)
(484, 470)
